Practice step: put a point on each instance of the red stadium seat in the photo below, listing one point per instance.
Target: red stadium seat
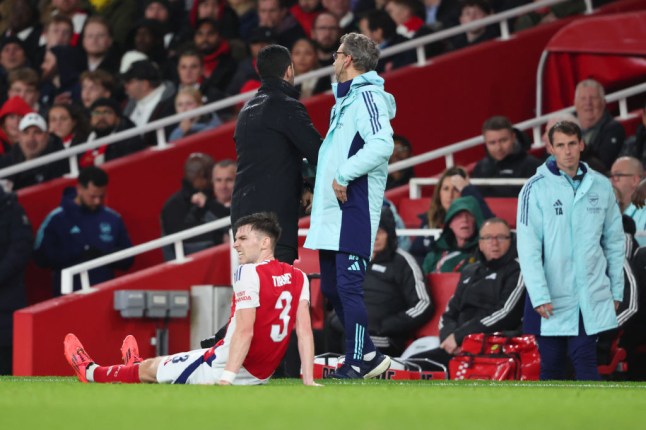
(308, 262)
(409, 209)
(504, 207)
(441, 287)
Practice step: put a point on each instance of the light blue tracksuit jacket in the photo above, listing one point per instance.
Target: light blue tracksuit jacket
(355, 152)
(571, 249)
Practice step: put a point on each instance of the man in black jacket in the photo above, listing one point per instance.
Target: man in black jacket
(506, 158)
(489, 296)
(395, 293)
(15, 249)
(273, 134)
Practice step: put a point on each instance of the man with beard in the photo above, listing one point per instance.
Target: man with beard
(218, 64)
(326, 33)
(275, 14)
(82, 229)
(106, 119)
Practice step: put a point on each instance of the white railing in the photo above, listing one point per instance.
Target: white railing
(175, 239)
(535, 124)
(159, 125)
(415, 184)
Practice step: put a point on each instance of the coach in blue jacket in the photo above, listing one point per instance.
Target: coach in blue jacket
(82, 229)
(350, 182)
(571, 249)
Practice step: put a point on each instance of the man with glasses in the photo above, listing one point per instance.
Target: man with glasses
(571, 249)
(325, 34)
(489, 297)
(348, 196)
(106, 119)
(626, 173)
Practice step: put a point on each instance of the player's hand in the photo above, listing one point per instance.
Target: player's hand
(340, 191)
(545, 310)
(450, 345)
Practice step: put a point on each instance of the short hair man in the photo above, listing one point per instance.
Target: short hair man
(263, 318)
(218, 63)
(275, 15)
(106, 119)
(571, 249)
(224, 178)
(97, 44)
(12, 53)
(96, 85)
(342, 10)
(326, 33)
(349, 193)
(23, 83)
(280, 157)
(82, 229)
(602, 135)
(34, 141)
(490, 294)
(380, 27)
(473, 10)
(506, 158)
(626, 174)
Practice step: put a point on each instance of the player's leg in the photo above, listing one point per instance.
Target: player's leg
(582, 350)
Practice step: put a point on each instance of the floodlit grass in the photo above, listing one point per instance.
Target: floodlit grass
(64, 403)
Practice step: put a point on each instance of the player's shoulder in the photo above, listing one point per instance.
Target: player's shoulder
(244, 271)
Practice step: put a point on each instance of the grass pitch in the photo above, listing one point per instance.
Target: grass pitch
(64, 403)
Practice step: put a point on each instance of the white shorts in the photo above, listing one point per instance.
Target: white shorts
(196, 367)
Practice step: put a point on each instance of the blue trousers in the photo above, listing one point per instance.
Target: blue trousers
(581, 349)
(341, 282)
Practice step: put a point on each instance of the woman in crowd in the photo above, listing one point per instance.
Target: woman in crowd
(188, 99)
(306, 60)
(66, 122)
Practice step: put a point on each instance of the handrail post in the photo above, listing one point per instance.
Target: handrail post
(449, 160)
(74, 167)
(85, 280)
(504, 30)
(161, 139)
(67, 285)
(421, 55)
(623, 108)
(179, 251)
(588, 7)
(538, 137)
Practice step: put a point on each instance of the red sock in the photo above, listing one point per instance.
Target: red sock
(121, 373)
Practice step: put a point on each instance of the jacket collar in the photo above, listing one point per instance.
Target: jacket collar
(281, 85)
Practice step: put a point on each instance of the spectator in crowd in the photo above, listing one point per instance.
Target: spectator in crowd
(602, 135)
(60, 72)
(506, 158)
(15, 251)
(149, 98)
(218, 64)
(23, 82)
(453, 183)
(442, 14)
(95, 85)
(224, 178)
(394, 292)
(634, 331)
(82, 229)
(34, 141)
(408, 16)
(342, 10)
(636, 145)
(147, 38)
(106, 119)
(489, 296)
(190, 72)
(98, 46)
(186, 100)
(246, 77)
(12, 111)
(473, 10)
(187, 208)
(23, 23)
(247, 16)
(380, 27)
(220, 11)
(326, 33)
(275, 15)
(305, 12)
(571, 249)
(402, 150)
(12, 57)
(456, 246)
(305, 60)
(270, 175)
(68, 123)
(162, 11)
(58, 31)
(73, 10)
(549, 14)
(119, 15)
(626, 174)
(349, 195)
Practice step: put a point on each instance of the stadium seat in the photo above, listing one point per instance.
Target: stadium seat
(441, 287)
(308, 262)
(617, 360)
(504, 207)
(410, 209)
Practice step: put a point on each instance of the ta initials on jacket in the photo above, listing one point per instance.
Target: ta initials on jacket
(282, 280)
(558, 207)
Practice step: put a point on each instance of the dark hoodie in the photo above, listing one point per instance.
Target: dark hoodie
(445, 256)
(518, 164)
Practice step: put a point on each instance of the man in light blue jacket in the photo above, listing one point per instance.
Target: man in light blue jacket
(571, 249)
(349, 192)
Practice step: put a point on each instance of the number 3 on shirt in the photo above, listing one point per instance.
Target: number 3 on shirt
(284, 302)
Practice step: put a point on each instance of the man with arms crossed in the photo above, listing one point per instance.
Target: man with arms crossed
(571, 249)
(348, 196)
(271, 298)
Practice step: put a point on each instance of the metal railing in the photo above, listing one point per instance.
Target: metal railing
(415, 184)
(158, 126)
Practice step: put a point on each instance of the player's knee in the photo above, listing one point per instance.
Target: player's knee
(148, 370)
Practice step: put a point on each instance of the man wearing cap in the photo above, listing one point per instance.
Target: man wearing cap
(106, 119)
(82, 229)
(34, 141)
(149, 98)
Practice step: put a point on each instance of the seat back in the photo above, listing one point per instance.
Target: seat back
(308, 262)
(504, 207)
(441, 288)
(410, 209)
